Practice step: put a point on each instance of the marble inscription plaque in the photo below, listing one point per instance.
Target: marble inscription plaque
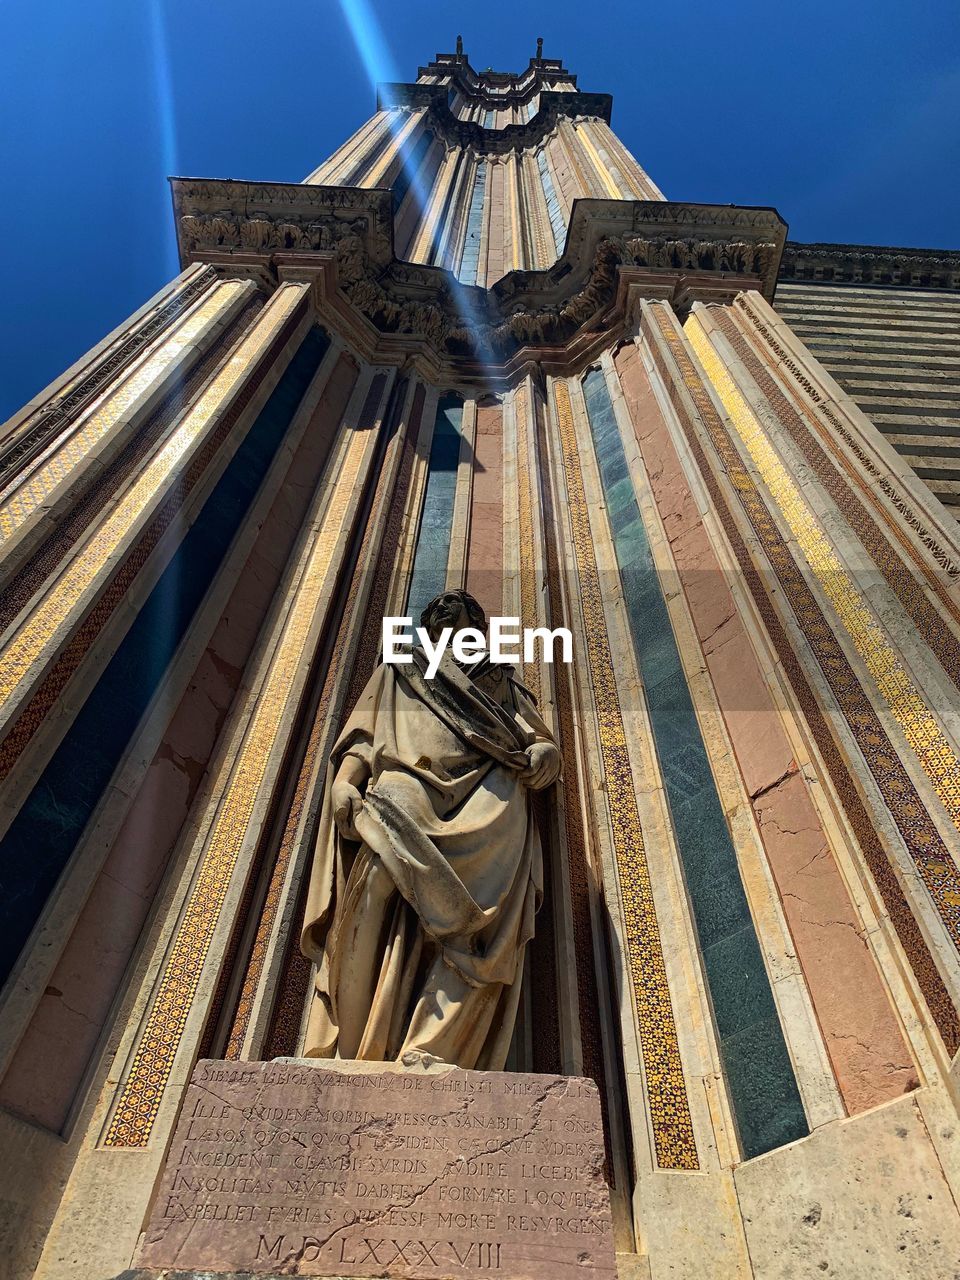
(298, 1169)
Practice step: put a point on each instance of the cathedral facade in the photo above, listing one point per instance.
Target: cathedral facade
(479, 348)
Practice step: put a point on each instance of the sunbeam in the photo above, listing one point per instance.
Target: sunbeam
(374, 53)
(369, 40)
(165, 111)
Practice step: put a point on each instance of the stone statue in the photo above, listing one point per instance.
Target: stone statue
(459, 46)
(539, 48)
(427, 872)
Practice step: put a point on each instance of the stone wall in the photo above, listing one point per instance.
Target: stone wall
(896, 351)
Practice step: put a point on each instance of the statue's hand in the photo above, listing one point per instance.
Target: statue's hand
(544, 766)
(347, 803)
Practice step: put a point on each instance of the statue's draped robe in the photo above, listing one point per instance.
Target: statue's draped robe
(445, 814)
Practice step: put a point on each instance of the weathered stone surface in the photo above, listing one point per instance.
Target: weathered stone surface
(293, 1168)
(865, 1199)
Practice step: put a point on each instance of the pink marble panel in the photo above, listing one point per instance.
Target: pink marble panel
(499, 222)
(870, 1058)
(485, 550)
(53, 1056)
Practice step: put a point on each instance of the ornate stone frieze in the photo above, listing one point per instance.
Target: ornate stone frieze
(258, 217)
(872, 264)
(673, 244)
(512, 137)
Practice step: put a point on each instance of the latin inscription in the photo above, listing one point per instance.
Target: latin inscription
(314, 1170)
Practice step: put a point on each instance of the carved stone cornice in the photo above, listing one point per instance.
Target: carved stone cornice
(512, 137)
(686, 251)
(493, 87)
(871, 264)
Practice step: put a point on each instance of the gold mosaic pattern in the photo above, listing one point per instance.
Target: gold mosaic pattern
(293, 987)
(37, 431)
(332, 679)
(671, 1121)
(65, 599)
(779, 358)
(903, 698)
(840, 480)
(25, 498)
(276, 707)
(913, 822)
(580, 877)
(528, 547)
(533, 207)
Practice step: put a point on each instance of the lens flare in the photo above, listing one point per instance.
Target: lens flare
(379, 65)
(369, 39)
(165, 115)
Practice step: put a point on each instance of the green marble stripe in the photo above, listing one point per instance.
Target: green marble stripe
(433, 540)
(469, 270)
(760, 1078)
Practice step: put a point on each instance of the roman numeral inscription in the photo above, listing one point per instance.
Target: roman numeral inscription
(293, 1168)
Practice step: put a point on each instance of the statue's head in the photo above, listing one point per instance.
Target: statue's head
(456, 609)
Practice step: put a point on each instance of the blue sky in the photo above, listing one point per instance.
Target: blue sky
(844, 114)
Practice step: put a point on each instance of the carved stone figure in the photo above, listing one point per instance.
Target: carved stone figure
(427, 871)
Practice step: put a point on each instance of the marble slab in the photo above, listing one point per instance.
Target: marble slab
(296, 1168)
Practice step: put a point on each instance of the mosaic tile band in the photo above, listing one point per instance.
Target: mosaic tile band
(898, 690)
(142, 1091)
(29, 438)
(578, 868)
(672, 1125)
(940, 554)
(278, 876)
(32, 715)
(541, 254)
(288, 1016)
(93, 499)
(26, 497)
(760, 1079)
(528, 569)
(29, 641)
(902, 581)
(918, 833)
(547, 1052)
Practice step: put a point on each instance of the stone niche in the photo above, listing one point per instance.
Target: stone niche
(376, 1169)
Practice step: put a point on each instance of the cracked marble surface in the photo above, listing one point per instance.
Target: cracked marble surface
(362, 1169)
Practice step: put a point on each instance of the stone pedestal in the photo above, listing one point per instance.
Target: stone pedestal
(373, 1169)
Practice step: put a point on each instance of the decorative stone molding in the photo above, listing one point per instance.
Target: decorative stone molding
(512, 137)
(497, 87)
(32, 435)
(684, 249)
(871, 264)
